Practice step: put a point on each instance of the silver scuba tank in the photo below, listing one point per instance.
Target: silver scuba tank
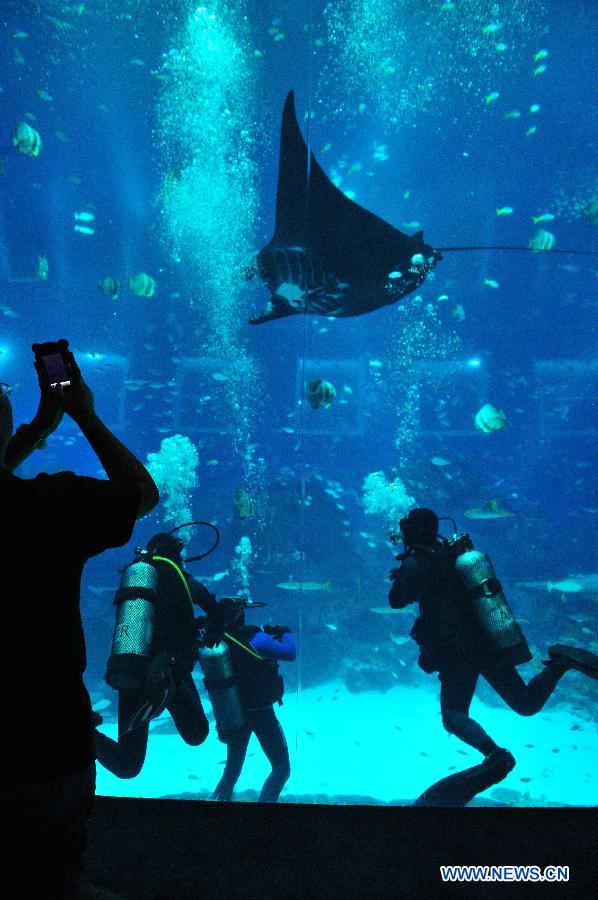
(133, 633)
(504, 640)
(221, 686)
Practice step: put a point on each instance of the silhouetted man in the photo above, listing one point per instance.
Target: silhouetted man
(50, 526)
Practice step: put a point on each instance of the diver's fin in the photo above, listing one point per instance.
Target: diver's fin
(575, 658)
(459, 789)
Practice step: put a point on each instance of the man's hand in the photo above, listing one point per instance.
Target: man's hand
(276, 631)
(77, 401)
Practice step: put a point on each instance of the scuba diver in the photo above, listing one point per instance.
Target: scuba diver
(154, 651)
(253, 653)
(466, 629)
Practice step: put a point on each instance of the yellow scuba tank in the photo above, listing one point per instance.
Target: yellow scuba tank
(504, 641)
(133, 633)
(221, 686)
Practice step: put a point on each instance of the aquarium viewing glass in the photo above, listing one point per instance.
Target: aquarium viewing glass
(171, 171)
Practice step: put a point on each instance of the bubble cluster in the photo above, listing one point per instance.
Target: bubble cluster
(240, 565)
(209, 200)
(174, 469)
(418, 336)
(389, 498)
(205, 126)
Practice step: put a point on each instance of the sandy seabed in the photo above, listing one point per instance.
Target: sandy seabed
(377, 747)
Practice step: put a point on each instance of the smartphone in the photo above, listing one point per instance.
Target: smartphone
(55, 366)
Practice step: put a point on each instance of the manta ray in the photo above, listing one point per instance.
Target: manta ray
(328, 255)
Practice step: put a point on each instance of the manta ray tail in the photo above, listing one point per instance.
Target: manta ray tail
(515, 247)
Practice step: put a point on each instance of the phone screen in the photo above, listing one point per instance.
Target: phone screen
(56, 369)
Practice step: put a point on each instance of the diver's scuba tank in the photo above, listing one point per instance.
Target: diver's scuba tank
(131, 646)
(504, 640)
(221, 686)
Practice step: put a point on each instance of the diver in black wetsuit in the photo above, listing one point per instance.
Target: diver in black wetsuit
(451, 642)
(259, 687)
(166, 682)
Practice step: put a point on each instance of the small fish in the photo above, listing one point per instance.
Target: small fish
(142, 285)
(491, 282)
(26, 139)
(491, 97)
(439, 461)
(399, 640)
(84, 216)
(545, 217)
(44, 95)
(320, 393)
(539, 70)
(534, 108)
(500, 47)
(219, 376)
(109, 287)
(542, 240)
(43, 267)
(84, 229)
(212, 462)
(220, 575)
(414, 224)
(243, 504)
(20, 35)
(513, 114)
(489, 419)
(458, 312)
(566, 586)
(136, 61)
(331, 627)
(541, 54)
(505, 211)
(100, 705)
(531, 131)
(492, 28)
(305, 585)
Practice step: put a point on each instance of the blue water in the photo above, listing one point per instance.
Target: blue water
(162, 121)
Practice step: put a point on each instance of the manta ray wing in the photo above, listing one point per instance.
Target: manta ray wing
(328, 255)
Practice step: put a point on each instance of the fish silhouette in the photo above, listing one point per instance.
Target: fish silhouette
(328, 255)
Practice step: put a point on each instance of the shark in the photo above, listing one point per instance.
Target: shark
(328, 255)
(573, 584)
